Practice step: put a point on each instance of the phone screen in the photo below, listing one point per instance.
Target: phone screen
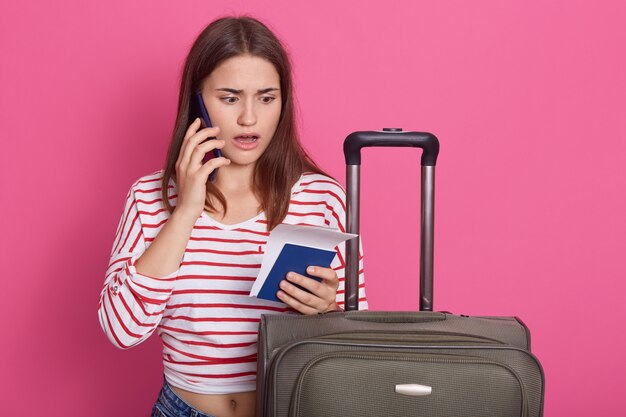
(198, 109)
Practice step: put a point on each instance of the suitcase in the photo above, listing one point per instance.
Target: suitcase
(395, 364)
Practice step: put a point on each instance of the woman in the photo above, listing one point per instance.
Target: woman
(187, 250)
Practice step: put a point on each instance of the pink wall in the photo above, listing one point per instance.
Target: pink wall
(527, 99)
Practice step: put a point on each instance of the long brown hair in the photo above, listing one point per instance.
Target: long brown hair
(284, 160)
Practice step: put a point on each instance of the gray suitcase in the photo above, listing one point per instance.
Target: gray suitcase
(395, 364)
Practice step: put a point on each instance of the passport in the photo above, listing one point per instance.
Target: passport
(294, 258)
(295, 248)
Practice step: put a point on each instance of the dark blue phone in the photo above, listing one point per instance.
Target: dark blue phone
(198, 109)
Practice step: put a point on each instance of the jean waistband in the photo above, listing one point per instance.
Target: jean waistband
(177, 405)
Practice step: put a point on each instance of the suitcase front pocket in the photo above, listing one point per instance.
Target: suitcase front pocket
(401, 384)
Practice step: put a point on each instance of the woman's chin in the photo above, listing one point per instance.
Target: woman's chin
(239, 163)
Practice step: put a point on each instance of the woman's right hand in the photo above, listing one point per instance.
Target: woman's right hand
(191, 174)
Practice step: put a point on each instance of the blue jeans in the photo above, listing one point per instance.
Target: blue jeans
(169, 404)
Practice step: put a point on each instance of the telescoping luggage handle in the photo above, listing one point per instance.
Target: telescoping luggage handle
(390, 137)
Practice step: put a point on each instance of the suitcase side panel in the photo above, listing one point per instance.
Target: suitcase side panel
(289, 364)
(449, 386)
(276, 331)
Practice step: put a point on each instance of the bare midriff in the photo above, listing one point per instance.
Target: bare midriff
(241, 404)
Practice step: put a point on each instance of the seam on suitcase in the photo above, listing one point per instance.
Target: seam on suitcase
(451, 358)
(286, 349)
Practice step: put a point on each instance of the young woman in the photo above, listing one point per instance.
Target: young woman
(187, 250)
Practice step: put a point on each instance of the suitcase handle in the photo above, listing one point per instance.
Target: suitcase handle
(394, 317)
(390, 137)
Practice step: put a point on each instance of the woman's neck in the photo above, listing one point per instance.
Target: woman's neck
(235, 179)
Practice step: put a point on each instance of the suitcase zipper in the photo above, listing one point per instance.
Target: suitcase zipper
(425, 358)
(412, 337)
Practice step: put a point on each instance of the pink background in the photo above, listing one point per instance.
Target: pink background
(526, 97)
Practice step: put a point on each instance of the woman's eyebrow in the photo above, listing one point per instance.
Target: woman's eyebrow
(235, 91)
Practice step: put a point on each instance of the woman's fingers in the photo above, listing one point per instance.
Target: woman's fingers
(328, 275)
(193, 128)
(305, 297)
(295, 303)
(190, 144)
(319, 296)
(329, 282)
(191, 174)
(201, 149)
(212, 165)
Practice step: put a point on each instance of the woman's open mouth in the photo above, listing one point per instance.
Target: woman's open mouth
(247, 141)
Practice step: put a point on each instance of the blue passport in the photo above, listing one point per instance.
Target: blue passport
(294, 258)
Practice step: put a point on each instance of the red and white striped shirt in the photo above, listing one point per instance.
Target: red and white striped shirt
(203, 311)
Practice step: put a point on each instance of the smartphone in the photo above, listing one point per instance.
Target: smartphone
(198, 109)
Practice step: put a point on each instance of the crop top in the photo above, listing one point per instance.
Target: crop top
(203, 311)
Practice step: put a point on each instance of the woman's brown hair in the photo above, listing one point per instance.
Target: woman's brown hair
(284, 160)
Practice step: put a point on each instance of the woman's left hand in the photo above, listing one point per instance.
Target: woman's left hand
(322, 297)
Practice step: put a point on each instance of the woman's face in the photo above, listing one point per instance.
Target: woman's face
(242, 96)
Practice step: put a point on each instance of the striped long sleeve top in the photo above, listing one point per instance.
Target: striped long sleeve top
(203, 311)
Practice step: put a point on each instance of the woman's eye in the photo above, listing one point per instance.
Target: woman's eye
(230, 100)
(267, 99)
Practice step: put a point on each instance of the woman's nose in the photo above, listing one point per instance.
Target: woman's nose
(247, 116)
